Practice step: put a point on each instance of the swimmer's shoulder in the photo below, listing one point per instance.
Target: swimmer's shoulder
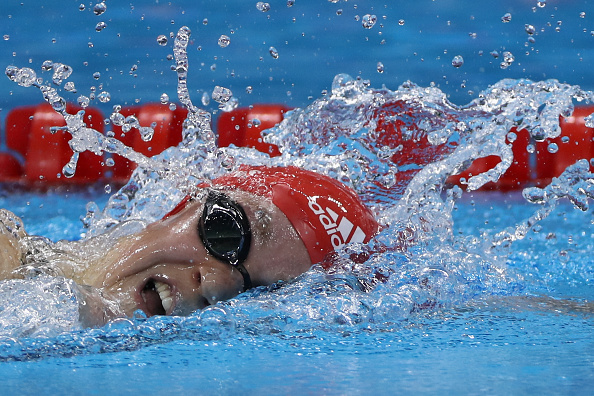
(12, 232)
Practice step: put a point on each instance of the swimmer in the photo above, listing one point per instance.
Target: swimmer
(254, 227)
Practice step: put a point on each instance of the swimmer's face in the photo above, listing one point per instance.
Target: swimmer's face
(166, 269)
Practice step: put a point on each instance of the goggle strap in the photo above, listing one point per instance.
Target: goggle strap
(247, 280)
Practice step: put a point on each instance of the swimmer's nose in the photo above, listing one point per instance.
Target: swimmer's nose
(197, 277)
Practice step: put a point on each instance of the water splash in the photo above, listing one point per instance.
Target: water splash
(396, 149)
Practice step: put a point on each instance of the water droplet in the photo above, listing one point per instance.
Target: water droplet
(100, 26)
(99, 8)
(530, 148)
(47, 65)
(205, 99)
(256, 122)
(494, 54)
(162, 40)
(232, 104)
(565, 139)
(582, 14)
(457, 61)
(25, 77)
(368, 21)
(506, 18)
(262, 6)
(117, 119)
(537, 228)
(6, 37)
(107, 189)
(96, 75)
(70, 168)
(221, 94)
(529, 29)
(508, 59)
(164, 98)
(172, 106)
(83, 101)
(205, 21)
(69, 87)
(541, 3)
(81, 7)
(104, 97)
(290, 3)
(59, 105)
(132, 121)
(61, 72)
(146, 133)
(539, 134)
(273, 52)
(129, 123)
(224, 41)
(511, 137)
(249, 89)
(109, 162)
(552, 148)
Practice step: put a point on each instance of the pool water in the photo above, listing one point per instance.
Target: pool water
(492, 344)
(513, 319)
(315, 40)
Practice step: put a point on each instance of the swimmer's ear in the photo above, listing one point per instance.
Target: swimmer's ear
(180, 206)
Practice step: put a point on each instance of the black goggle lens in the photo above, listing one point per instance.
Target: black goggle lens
(225, 231)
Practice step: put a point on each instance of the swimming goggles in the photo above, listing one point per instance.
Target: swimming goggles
(225, 232)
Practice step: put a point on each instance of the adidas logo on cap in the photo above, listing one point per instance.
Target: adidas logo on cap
(341, 232)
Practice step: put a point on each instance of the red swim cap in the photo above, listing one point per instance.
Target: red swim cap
(325, 213)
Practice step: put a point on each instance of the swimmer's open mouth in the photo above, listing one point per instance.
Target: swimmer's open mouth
(157, 298)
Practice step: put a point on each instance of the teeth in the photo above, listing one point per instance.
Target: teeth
(165, 294)
(167, 303)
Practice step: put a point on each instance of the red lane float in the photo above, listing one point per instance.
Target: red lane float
(539, 166)
(518, 175)
(36, 156)
(243, 127)
(45, 153)
(574, 143)
(11, 169)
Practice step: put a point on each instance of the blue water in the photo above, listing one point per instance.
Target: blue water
(532, 334)
(484, 345)
(313, 42)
